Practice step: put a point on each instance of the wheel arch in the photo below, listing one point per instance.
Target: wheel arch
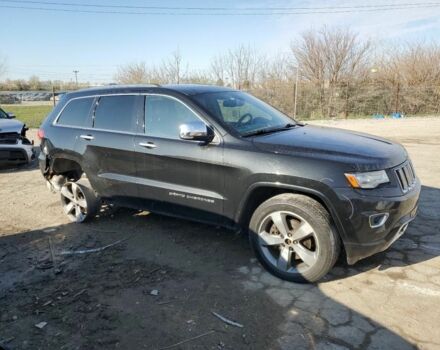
(260, 192)
(67, 166)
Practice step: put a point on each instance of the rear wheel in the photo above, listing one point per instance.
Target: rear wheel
(293, 238)
(79, 200)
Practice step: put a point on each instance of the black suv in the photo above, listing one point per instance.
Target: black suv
(216, 155)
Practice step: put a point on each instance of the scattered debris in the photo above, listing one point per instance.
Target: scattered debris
(56, 270)
(170, 301)
(49, 230)
(41, 325)
(44, 265)
(154, 292)
(48, 303)
(3, 343)
(154, 270)
(7, 340)
(79, 293)
(187, 340)
(94, 250)
(224, 319)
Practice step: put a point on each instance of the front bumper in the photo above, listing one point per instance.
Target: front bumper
(360, 239)
(16, 154)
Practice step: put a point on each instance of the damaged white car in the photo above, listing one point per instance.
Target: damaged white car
(15, 148)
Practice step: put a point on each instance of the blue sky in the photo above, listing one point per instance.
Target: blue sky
(52, 44)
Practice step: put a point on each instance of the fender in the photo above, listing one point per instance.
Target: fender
(297, 189)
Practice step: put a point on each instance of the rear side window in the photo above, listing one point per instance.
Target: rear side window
(76, 112)
(116, 113)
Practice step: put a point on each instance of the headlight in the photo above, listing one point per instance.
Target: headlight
(367, 180)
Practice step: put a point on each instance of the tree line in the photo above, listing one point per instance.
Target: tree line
(330, 72)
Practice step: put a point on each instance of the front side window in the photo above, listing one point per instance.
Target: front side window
(76, 112)
(164, 115)
(242, 112)
(116, 113)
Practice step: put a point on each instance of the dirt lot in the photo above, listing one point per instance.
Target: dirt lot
(105, 300)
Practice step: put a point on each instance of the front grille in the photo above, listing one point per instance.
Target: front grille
(406, 176)
(12, 156)
(17, 155)
(10, 138)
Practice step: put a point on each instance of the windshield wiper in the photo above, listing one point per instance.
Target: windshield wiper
(269, 130)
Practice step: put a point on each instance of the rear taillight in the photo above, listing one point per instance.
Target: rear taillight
(40, 134)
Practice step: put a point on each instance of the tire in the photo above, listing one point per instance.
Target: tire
(80, 202)
(303, 246)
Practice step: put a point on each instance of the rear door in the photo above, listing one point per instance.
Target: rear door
(108, 146)
(180, 177)
(69, 124)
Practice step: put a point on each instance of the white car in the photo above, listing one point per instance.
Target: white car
(15, 148)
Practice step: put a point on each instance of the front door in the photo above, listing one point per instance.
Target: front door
(179, 177)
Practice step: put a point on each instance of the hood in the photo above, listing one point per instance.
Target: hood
(10, 125)
(362, 151)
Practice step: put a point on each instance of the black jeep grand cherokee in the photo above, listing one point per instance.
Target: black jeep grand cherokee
(221, 156)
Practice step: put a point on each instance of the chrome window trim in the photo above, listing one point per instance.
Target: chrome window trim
(215, 141)
(55, 121)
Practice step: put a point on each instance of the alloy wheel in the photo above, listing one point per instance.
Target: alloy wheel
(74, 202)
(288, 242)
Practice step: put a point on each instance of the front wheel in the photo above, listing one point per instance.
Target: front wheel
(293, 238)
(79, 200)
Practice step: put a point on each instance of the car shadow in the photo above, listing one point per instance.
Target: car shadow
(101, 297)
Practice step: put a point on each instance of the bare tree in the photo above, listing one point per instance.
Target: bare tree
(218, 70)
(171, 69)
(35, 83)
(197, 77)
(411, 74)
(133, 73)
(238, 67)
(330, 57)
(276, 83)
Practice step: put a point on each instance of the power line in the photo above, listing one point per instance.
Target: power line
(236, 13)
(376, 6)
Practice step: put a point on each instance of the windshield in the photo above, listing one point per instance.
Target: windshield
(243, 112)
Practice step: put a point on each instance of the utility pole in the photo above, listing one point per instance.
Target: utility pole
(53, 94)
(76, 76)
(296, 92)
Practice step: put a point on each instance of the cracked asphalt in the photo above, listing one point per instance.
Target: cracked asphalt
(103, 301)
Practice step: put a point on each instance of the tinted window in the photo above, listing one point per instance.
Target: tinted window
(116, 113)
(76, 112)
(164, 115)
(243, 112)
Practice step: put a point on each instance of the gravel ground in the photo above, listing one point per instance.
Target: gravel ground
(160, 283)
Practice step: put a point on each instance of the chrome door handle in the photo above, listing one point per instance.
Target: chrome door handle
(147, 145)
(87, 137)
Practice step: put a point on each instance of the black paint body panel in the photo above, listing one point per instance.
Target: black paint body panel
(213, 182)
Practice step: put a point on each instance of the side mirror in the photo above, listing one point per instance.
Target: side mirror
(10, 115)
(197, 131)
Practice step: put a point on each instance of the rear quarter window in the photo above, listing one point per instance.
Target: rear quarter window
(76, 112)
